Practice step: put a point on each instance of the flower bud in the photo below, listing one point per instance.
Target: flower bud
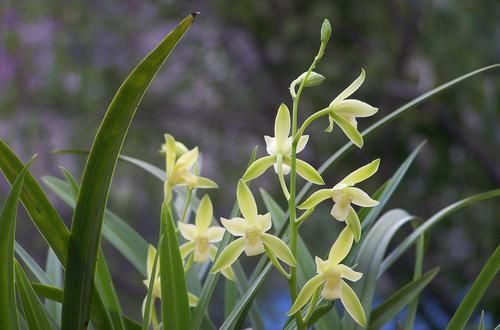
(314, 79)
(326, 31)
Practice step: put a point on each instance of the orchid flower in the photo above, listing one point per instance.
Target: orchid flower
(279, 149)
(343, 194)
(331, 274)
(201, 235)
(344, 111)
(179, 170)
(156, 293)
(251, 230)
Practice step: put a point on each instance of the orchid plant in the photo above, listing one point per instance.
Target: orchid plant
(194, 248)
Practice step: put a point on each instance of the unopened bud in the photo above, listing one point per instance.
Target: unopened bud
(326, 31)
(314, 79)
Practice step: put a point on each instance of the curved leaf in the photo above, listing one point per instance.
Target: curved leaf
(97, 177)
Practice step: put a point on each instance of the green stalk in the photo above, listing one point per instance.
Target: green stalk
(294, 227)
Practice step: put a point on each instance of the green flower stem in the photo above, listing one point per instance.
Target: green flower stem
(304, 216)
(308, 121)
(294, 227)
(189, 262)
(276, 263)
(186, 205)
(312, 305)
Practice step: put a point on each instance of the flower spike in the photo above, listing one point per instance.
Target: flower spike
(251, 230)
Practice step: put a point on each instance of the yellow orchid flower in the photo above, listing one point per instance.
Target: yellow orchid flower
(344, 111)
(179, 170)
(331, 274)
(252, 230)
(279, 149)
(201, 235)
(343, 194)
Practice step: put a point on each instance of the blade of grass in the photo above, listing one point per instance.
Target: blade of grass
(97, 177)
(8, 308)
(36, 316)
(32, 265)
(417, 273)
(54, 272)
(174, 294)
(432, 221)
(472, 298)
(397, 301)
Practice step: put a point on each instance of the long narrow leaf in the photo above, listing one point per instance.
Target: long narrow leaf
(35, 314)
(472, 298)
(97, 177)
(174, 295)
(396, 302)
(417, 273)
(54, 272)
(8, 309)
(432, 221)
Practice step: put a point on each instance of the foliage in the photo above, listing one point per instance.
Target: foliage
(178, 273)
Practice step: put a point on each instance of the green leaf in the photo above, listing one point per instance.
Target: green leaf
(8, 309)
(432, 221)
(370, 257)
(122, 236)
(32, 265)
(36, 317)
(481, 325)
(476, 292)
(54, 272)
(398, 300)
(174, 294)
(96, 181)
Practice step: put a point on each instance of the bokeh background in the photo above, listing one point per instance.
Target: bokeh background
(61, 62)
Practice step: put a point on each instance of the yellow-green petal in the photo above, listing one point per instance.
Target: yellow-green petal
(150, 260)
(258, 167)
(228, 272)
(360, 198)
(188, 159)
(205, 183)
(352, 304)
(361, 173)
(341, 247)
(170, 153)
(187, 230)
(329, 129)
(214, 234)
(204, 214)
(349, 130)
(193, 300)
(236, 226)
(352, 221)
(229, 255)
(355, 108)
(315, 199)
(282, 126)
(187, 248)
(349, 274)
(306, 293)
(306, 171)
(350, 89)
(246, 202)
(279, 248)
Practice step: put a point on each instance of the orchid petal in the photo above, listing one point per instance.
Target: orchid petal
(215, 234)
(315, 199)
(206, 183)
(306, 293)
(204, 214)
(264, 222)
(352, 221)
(349, 130)
(170, 153)
(193, 300)
(354, 108)
(229, 255)
(258, 167)
(188, 230)
(236, 226)
(306, 171)
(352, 304)
(187, 248)
(282, 126)
(150, 260)
(360, 198)
(228, 272)
(341, 247)
(279, 248)
(349, 274)
(188, 159)
(362, 173)
(340, 209)
(329, 129)
(246, 202)
(270, 145)
(354, 86)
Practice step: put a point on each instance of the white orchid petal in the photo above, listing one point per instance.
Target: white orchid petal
(236, 226)
(302, 143)
(214, 234)
(349, 274)
(354, 108)
(360, 198)
(188, 230)
(188, 159)
(204, 214)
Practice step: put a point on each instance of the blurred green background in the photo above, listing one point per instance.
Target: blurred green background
(61, 62)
